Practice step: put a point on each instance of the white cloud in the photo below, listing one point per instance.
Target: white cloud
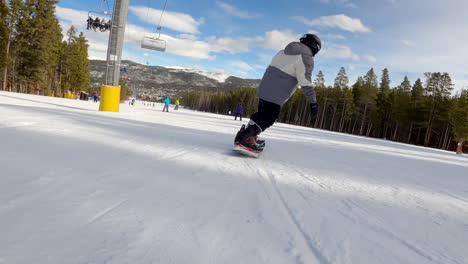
(333, 37)
(259, 66)
(233, 45)
(278, 39)
(173, 20)
(370, 58)
(241, 65)
(204, 49)
(339, 52)
(187, 36)
(342, 21)
(312, 32)
(234, 11)
(71, 15)
(460, 84)
(189, 48)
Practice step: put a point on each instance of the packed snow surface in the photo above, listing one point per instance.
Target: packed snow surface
(142, 186)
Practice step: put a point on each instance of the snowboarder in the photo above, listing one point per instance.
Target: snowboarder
(238, 111)
(289, 68)
(177, 103)
(166, 102)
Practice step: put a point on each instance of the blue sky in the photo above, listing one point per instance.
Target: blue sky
(409, 37)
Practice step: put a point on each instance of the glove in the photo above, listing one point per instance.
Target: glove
(313, 109)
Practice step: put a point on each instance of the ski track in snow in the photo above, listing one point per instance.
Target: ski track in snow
(142, 186)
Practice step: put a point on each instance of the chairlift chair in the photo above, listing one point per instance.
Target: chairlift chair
(98, 14)
(154, 43)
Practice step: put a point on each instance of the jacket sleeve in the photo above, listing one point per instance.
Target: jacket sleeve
(309, 93)
(304, 70)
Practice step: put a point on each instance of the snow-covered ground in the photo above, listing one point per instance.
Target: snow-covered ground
(142, 186)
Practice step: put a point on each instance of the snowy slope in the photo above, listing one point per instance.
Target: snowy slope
(143, 186)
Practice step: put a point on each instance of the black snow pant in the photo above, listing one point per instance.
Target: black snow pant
(238, 115)
(266, 115)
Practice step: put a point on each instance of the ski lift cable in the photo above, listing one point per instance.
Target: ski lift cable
(158, 28)
(155, 43)
(148, 6)
(162, 13)
(107, 4)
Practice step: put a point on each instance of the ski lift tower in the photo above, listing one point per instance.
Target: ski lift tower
(110, 92)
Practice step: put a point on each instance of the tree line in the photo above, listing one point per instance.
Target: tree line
(37, 57)
(423, 113)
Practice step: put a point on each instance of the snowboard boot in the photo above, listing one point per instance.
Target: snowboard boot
(260, 142)
(246, 140)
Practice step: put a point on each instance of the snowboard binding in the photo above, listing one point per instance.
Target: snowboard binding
(246, 141)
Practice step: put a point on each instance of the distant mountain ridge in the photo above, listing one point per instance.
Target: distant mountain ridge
(156, 81)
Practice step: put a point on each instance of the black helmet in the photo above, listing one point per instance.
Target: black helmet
(313, 42)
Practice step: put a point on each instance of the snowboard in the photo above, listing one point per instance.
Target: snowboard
(246, 151)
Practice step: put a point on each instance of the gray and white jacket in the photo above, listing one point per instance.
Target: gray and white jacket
(290, 68)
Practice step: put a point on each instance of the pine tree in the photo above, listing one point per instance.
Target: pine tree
(320, 80)
(357, 90)
(322, 98)
(341, 80)
(348, 107)
(9, 72)
(4, 33)
(338, 97)
(438, 89)
(38, 44)
(124, 91)
(75, 64)
(417, 110)
(83, 64)
(23, 50)
(459, 119)
(383, 111)
(400, 102)
(367, 99)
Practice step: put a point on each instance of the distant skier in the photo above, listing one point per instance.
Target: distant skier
(166, 102)
(238, 111)
(289, 68)
(95, 96)
(177, 103)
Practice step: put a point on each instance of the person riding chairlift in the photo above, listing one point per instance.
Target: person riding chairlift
(90, 22)
(96, 23)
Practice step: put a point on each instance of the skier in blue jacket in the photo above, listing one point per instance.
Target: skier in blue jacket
(166, 102)
(290, 68)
